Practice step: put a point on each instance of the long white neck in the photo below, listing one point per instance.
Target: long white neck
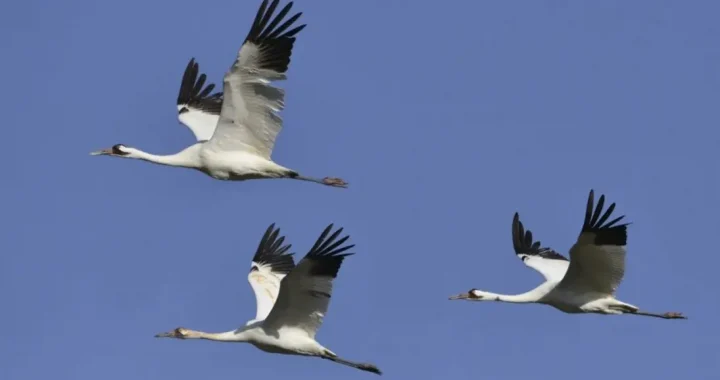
(228, 336)
(188, 157)
(528, 297)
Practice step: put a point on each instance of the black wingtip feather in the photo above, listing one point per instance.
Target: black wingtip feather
(329, 253)
(275, 42)
(194, 95)
(524, 245)
(272, 252)
(606, 233)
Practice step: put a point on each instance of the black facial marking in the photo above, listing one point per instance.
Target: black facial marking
(183, 110)
(116, 150)
(178, 333)
(254, 268)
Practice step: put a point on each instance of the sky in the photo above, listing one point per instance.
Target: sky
(444, 117)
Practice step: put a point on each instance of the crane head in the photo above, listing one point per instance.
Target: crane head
(178, 333)
(471, 295)
(116, 150)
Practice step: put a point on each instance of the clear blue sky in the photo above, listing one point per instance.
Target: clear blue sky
(445, 117)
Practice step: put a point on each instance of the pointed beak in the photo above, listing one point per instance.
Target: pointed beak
(170, 334)
(462, 296)
(101, 152)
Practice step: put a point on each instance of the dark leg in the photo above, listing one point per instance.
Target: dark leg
(630, 309)
(668, 315)
(328, 181)
(361, 366)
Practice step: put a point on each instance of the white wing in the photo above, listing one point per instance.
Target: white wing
(305, 292)
(197, 109)
(249, 119)
(597, 260)
(269, 266)
(549, 263)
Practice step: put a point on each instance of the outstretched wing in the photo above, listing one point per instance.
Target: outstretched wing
(597, 260)
(269, 266)
(549, 263)
(305, 292)
(197, 108)
(249, 119)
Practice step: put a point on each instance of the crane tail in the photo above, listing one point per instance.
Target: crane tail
(361, 366)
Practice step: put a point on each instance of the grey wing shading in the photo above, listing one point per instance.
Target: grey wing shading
(305, 292)
(549, 263)
(597, 260)
(198, 109)
(249, 118)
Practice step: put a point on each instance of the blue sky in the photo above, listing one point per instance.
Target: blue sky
(445, 119)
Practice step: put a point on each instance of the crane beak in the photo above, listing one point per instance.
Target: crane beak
(170, 334)
(462, 296)
(102, 152)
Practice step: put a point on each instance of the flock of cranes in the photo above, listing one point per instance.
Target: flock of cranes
(236, 130)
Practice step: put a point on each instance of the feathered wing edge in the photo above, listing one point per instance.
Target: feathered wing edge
(193, 95)
(329, 253)
(605, 232)
(273, 253)
(524, 245)
(275, 42)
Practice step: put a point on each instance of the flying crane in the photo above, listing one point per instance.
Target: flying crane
(291, 300)
(585, 284)
(236, 130)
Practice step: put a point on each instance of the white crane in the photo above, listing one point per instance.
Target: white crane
(291, 300)
(236, 131)
(585, 284)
